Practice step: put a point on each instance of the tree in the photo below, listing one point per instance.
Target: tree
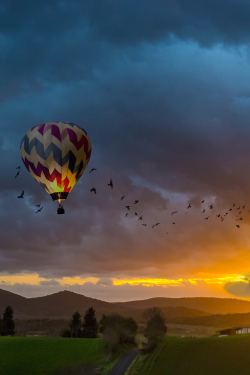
(75, 325)
(7, 322)
(90, 325)
(155, 329)
(117, 330)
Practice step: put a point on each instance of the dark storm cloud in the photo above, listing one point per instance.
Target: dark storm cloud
(239, 288)
(164, 117)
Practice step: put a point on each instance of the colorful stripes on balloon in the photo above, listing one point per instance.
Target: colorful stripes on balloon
(56, 154)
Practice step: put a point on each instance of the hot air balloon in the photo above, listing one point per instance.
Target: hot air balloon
(56, 155)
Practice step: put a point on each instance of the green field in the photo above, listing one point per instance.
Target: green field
(197, 356)
(42, 356)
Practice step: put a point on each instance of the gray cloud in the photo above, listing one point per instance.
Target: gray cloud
(168, 121)
(239, 288)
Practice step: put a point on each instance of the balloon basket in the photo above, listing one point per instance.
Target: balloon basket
(60, 211)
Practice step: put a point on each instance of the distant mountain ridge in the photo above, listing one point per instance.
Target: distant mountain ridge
(211, 305)
(62, 305)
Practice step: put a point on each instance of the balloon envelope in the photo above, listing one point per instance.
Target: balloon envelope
(56, 154)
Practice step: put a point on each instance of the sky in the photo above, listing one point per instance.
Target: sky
(163, 91)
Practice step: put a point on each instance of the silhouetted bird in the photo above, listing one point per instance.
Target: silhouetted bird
(122, 197)
(111, 184)
(167, 233)
(18, 167)
(126, 214)
(206, 218)
(140, 218)
(136, 214)
(135, 202)
(153, 226)
(17, 174)
(173, 213)
(37, 205)
(39, 210)
(93, 169)
(222, 218)
(211, 206)
(21, 195)
(93, 189)
(240, 212)
(218, 215)
(240, 218)
(203, 201)
(189, 206)
(203, 211)
(233, 204)
(157, 224)
(144, 225)
(243, 207)
(173, 223)
(238, 208)
(128, 207)
(230, 209)
(237, 226)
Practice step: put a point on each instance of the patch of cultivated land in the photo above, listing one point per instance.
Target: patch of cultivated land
(42, 356)
(197, 356)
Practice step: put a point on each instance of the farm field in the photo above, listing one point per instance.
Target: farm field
(42, 356)
(197, 356)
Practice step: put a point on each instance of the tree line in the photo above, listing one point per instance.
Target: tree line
(118, 330)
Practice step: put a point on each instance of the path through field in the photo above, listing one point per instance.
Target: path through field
(124, 362)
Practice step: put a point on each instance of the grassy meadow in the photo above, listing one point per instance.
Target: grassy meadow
(42, 356)
(197, 356)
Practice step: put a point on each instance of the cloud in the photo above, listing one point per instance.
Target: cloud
(166, 108)
(239, 288)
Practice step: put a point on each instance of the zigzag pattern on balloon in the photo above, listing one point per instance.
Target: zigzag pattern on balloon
(56, 154)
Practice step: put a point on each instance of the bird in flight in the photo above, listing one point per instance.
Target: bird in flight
(237, 226)
(111, 184)
(233, 204)
(173, 213)
(140, 218)
(126, 214)
(135, 202)
(128, 207)
(145, 225)
(211, 206)
(206, 218)
(218, 215)
(18, 167)
(17, 174)
(93, 189)
(230, 209)
(243, 207)
(203, 201)
(173, 223)
(157, 224)
(21, 195)
(238, 208)
(93, 169)
(122, 197)
(167, 233)
(189, 206)
(37, 205)
(136, 214)
(39, 210)
(203, 211)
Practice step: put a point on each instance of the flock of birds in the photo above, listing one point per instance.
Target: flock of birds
(221, 217)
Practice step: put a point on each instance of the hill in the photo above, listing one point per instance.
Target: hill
(59, 305)
(208, 304)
